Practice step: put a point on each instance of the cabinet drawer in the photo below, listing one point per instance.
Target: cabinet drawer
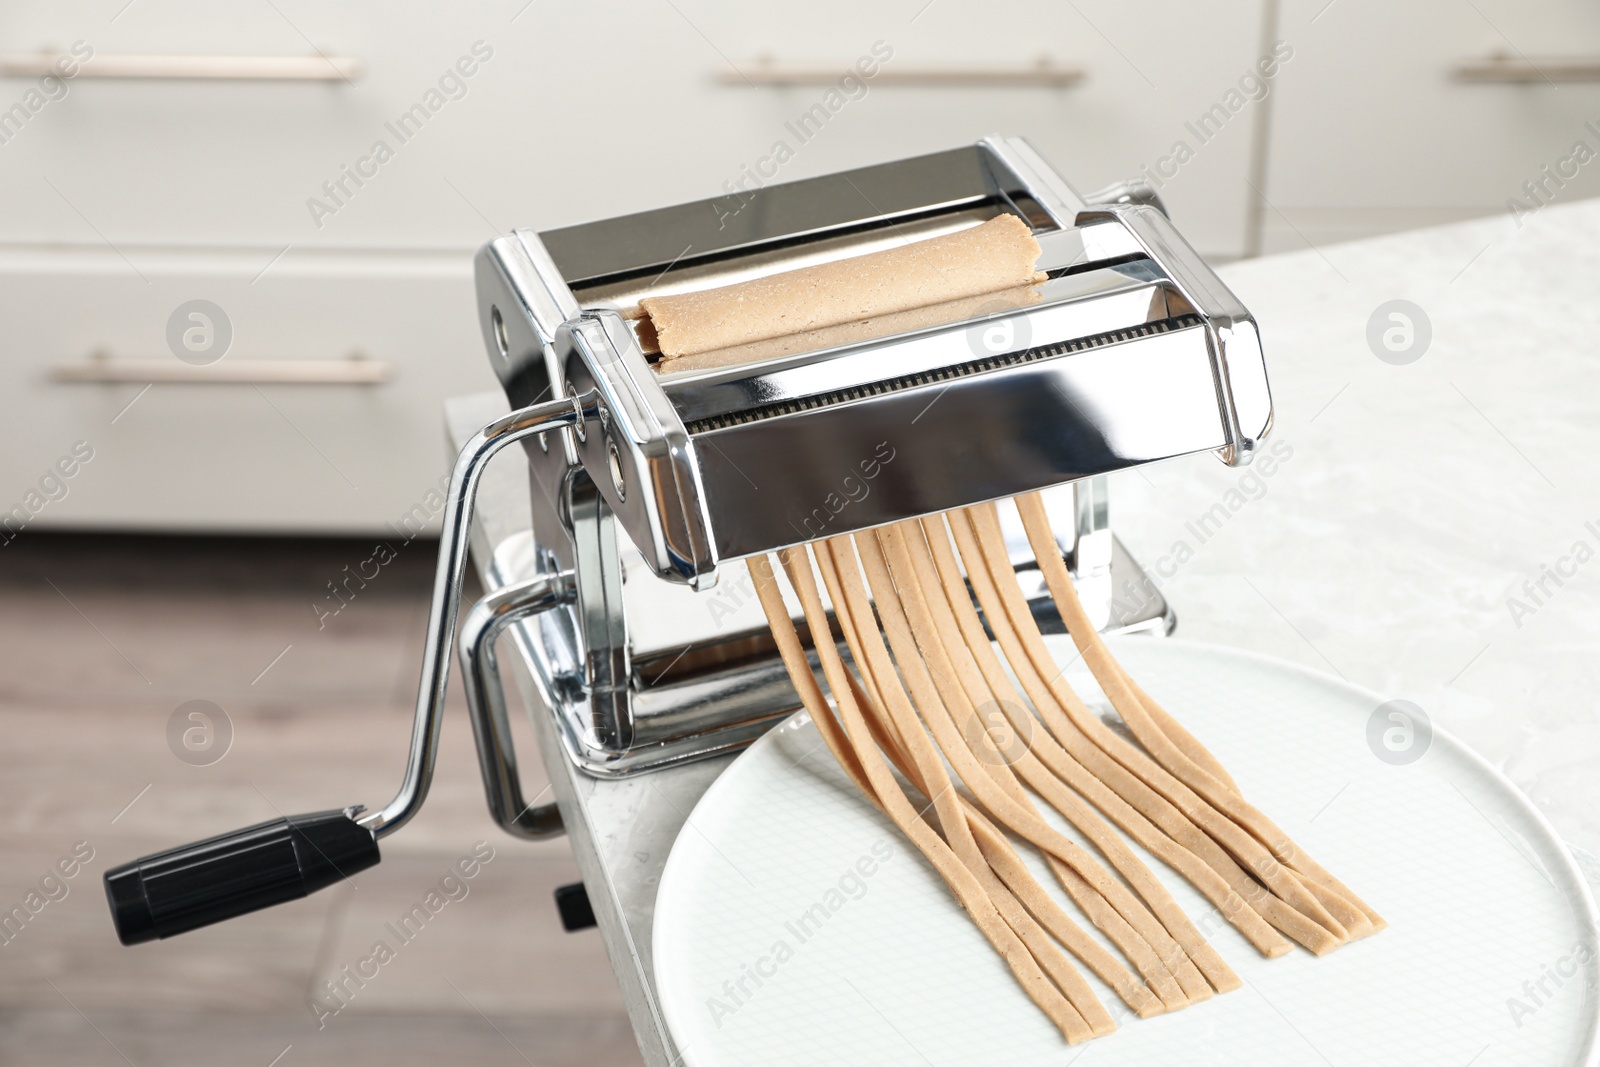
(249, 457)
(165, 161)
(1374, 131)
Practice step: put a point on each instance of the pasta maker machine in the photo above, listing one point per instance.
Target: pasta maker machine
(650, 487)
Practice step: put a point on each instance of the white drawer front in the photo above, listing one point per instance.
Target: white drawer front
(270, 457)
(1374, 132)
(209, 162)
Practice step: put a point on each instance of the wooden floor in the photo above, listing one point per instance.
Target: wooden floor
(101, 639)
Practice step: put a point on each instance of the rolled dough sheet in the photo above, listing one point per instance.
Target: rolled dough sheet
(999, 254)
(844, 333)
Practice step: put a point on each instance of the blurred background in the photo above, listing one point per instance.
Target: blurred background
(309, 209)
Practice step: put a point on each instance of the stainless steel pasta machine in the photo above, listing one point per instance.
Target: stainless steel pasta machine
(650, 487)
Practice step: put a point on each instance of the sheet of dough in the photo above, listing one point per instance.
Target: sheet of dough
(999, 254)
(844, 333)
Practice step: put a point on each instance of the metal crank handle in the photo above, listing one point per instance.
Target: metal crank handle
(486, 701)
(235, 873)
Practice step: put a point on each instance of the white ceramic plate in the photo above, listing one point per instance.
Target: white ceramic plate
(794, 926)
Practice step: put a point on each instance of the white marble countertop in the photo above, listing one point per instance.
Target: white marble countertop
(1412, 502)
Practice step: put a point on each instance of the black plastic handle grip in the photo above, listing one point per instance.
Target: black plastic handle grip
(196, 885)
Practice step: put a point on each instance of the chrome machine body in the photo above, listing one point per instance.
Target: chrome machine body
(1135, 352)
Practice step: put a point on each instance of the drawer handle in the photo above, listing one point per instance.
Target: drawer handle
(1046, 73)
(318, 68)
(1502, 68)
(100, 369)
